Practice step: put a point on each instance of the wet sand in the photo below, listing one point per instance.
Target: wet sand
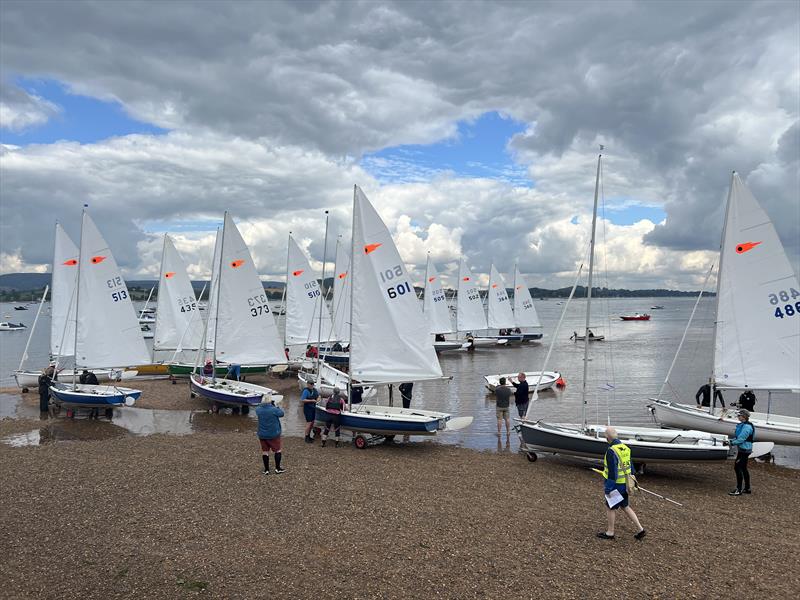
(166, 516)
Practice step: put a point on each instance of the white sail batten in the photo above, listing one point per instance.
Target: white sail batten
(62, 295)
(303, 296)
(758, 306)
(341, 294)
(469, 306)
(390, 339)
(500, 315)
(178, 322)
(108, 332)
(246, 329)
(524, 310)
(434, 303)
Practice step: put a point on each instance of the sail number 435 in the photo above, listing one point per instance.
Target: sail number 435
(785, 310)
(401, 289)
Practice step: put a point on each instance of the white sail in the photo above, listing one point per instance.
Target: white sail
(246, 330)
(211, 309)
(758, 304)
(178, 322)
(469, 307)
(108, 333)
(390, 340)
(341, 294)
(524, 310)
(65, 277)
(500, 315)
(434, 303)
(303, 297)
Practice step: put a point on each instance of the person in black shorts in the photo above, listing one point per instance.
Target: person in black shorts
(334, 407)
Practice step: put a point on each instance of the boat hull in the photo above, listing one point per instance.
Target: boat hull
(184, 369)
(636, 318)
(773, 428)
(231, 393)
(532, 337)
(549, 379)
(650, 447)
(382, 420)
(93, 396)
(26, 379)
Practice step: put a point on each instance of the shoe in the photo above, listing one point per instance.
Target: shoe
(280, 470)
(265, 472)
(735, 493)
(747, 491)
(604, 536)
(309, 439)
(640, 535)
(337, 443)
(324, 442)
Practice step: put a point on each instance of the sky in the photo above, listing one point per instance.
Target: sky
(473, 127)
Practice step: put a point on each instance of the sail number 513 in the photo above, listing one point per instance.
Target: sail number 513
(786, 310)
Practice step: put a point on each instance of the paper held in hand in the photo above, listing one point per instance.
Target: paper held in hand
(613, 498)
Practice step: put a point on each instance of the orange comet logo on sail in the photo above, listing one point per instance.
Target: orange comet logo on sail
(431, 279)
(237, 263)
(371, 248)
(170, 274)
(494, 285)
(746, 247)
(297, 273)
(96, 260)
(466, 279)
(342, 275)
(519, 287)
(71, 262)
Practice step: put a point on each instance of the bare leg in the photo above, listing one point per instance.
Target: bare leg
(508, 432)
(499, 427)
(632, 516)
(612, 517)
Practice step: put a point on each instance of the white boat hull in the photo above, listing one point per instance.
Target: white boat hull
(549, 379)
(330, 378)
(778, 429)
(26, 379)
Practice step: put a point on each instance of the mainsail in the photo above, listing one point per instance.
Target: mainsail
(434, 303)
(469, 311)
(341, 294)
(245, 332)
(524, 310)
(303, 297)
(65, 277)
(178, 322)
(758, 301)
(108, 333)
(500, 315)
(390, 341)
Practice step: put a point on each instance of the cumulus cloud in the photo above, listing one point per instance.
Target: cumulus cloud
(20, 110)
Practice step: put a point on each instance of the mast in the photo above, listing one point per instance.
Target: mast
(321, 298)
(286, 290)
(350, 275)
(711, 379)
(78, 299)
(160, 275)
(589, 293)
(425, 282)
(216, 304)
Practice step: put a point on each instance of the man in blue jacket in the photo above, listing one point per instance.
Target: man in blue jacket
(745, 432)
(269, 432)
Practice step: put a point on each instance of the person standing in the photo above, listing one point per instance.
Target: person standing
(747, 400)
(503, 395)
(705, 392)
(88, 378)
(521, 398)
(405, 393)
(616, 470)
(334, 407)
(356, 394)
(745, 433)
(269, 433)
(45, 382)
(309, 399)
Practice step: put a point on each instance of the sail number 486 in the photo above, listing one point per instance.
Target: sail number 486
(787, 310)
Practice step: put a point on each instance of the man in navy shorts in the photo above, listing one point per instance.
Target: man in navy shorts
(309, 399)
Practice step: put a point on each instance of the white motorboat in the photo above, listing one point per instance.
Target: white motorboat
(8, 326)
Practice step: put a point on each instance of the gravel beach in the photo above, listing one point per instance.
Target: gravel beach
(171, 517)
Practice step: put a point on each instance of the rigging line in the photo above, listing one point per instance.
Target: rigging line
(609, 357)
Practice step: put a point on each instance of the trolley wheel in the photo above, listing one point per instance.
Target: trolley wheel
(360, 441)
(389, 439)
(24, 390)
(109, 413)
(317, 431)
(192, 395)
(532, 456)
(70, 413)
(214, 408)
(245, 410)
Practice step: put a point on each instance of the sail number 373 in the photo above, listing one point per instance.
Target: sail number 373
(258, 305)
(785, 310)
(399, 289)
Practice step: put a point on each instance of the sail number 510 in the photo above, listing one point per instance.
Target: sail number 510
(789, 309)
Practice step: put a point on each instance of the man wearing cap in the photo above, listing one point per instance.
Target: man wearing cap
(616, 470)
(334, 407)
(745, 432)
(309, 399)
(269, 432)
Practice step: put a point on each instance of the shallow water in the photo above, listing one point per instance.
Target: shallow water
(623, 373)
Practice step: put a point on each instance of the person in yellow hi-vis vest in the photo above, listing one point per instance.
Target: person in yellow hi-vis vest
(616, 471)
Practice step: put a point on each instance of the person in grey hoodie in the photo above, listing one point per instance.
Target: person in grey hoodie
(269, 433)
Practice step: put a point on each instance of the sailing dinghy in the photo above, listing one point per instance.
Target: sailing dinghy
(436, 311)
(106, 329)
(757, 329)
(389, 338)
(646, 444)
(240, 324)
(525, 316)
(500, 316)
(469, 308)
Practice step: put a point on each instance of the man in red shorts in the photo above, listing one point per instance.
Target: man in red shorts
(269, 432)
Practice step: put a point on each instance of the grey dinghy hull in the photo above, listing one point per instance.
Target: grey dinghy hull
(647, 445)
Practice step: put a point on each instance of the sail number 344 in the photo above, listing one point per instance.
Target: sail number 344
(788, 309)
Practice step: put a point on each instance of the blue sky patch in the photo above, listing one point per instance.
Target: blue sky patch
(478, 150)
(81, 118)
(630, 213)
